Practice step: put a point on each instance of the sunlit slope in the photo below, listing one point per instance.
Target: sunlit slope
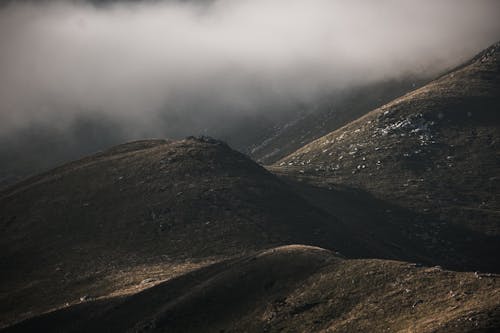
(295, 289)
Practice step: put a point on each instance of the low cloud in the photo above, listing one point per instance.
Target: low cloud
(139, 62)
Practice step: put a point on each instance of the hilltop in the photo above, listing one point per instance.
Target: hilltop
(97, 225)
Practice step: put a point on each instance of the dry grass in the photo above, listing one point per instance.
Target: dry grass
(297, 289)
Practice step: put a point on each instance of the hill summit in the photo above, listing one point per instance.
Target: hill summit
(152, 202)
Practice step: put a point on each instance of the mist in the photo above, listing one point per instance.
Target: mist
(171, 68)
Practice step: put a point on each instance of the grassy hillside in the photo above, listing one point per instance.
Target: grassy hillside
(79, 229)
(294, 289)
(433, 153)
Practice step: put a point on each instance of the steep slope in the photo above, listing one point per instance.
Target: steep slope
(294, 289)
(329, 114)
(433, 152)
(102, 224)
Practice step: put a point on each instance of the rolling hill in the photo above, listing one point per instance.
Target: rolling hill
(103, 223)
(294, 289)
(433, 153)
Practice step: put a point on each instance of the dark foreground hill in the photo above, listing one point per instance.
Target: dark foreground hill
(126, 219)
(433, 154)
(294, 289)
(141, 210)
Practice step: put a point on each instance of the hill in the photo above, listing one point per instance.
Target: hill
(433, 154)
(143, 210)
(294, 289)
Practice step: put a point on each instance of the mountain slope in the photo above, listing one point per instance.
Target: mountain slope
(294, 289)
(435, 152)
(99, 225)
(329, 114)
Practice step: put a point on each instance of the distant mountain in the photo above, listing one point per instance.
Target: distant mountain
(329, 114)
(434, 152)
(294, 289)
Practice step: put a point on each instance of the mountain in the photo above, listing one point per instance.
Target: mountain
(293, 289)
(98, 224)
(191, 235)
(433, 153)
(137, 214)
(328, 114)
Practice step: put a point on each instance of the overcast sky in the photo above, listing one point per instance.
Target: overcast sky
(133, 60)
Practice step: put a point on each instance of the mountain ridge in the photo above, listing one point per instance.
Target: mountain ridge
(432, 151)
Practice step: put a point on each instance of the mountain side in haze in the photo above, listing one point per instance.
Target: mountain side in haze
(78, 229)
(434, 152)
(328, 115)
(294, 289)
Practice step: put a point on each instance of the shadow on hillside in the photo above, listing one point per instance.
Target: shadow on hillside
(390, 231)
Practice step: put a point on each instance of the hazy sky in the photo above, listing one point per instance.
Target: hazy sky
(133, 60)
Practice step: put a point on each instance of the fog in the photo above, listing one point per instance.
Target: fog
(198, 63)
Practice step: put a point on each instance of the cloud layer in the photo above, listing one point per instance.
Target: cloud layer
(136, 61)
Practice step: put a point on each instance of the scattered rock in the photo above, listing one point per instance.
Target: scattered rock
(149, 280)
(85, 298)
(417, 303)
